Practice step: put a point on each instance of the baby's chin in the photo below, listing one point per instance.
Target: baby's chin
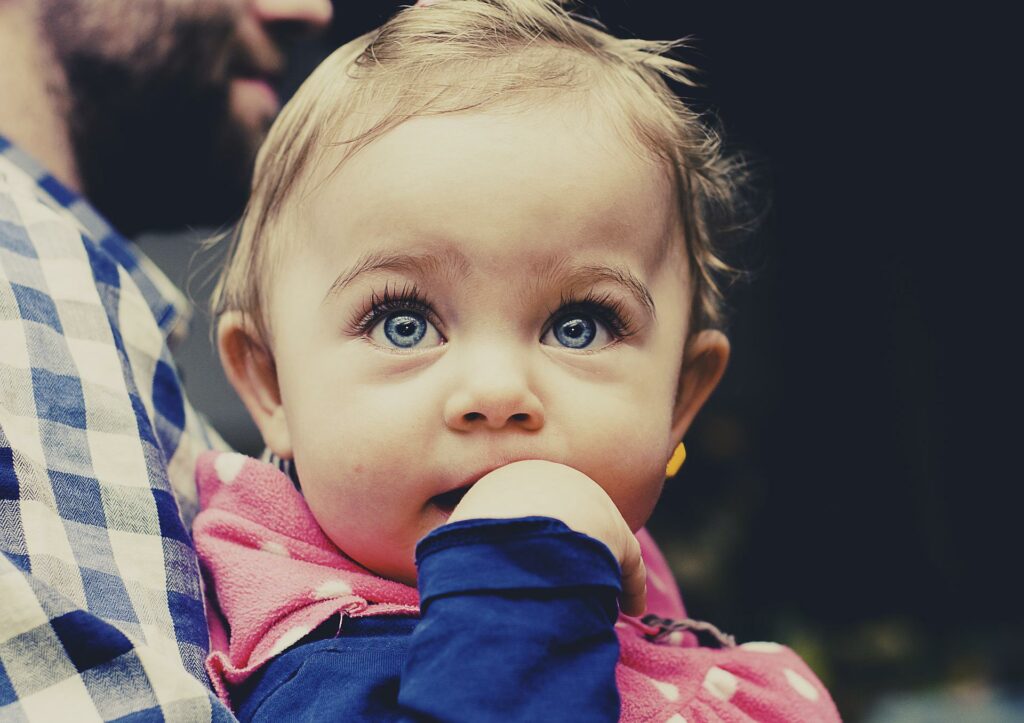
(438, 510)
(406, 577)
(397, 564)
(398, 571)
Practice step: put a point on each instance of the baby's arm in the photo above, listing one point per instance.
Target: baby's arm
(759, 681)
(535, 488)
(517, 624)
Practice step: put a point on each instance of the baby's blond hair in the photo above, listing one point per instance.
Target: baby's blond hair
(458, 55)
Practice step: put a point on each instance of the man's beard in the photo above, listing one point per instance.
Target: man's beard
(154, 140)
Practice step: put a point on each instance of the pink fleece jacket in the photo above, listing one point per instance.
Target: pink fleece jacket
(276, 577)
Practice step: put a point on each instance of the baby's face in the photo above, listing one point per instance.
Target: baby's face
(471, 290)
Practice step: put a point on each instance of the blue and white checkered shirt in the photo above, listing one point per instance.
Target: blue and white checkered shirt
(101, 611)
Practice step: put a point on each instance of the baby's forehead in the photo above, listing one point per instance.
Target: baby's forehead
(556, 171)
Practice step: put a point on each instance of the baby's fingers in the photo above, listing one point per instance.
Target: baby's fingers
(634, 581)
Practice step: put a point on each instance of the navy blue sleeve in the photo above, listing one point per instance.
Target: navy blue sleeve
(517, 624)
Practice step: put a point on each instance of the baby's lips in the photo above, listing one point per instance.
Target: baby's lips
(448, 501)
(451, 497)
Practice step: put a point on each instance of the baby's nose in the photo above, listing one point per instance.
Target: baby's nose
(494, 399)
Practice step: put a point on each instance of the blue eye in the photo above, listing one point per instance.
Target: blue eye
(577, 330)
(405, 330)
(589, 323)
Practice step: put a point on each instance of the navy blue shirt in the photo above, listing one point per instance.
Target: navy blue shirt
(517, 623)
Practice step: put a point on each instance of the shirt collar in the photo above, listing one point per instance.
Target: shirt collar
(169, 305)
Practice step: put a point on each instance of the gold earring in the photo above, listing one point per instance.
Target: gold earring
(676, 461)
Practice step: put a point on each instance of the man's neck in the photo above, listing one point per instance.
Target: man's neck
(31, 85)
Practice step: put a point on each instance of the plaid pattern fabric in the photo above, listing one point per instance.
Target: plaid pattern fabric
(101, 611)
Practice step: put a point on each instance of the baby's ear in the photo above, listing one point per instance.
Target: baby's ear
(704, 361)
(249, 366)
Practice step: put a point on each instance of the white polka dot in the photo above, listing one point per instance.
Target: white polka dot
(332, 588)
(288, 640)
(720, 683)
(228, 466)
(668, 690)
(676, 638)
(676, 719)
(621, 625)
(801, 685)
(275, 548)
(758, 646)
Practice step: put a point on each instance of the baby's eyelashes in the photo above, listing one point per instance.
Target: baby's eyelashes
(589, 323)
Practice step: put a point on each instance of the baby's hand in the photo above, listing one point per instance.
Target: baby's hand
(548, 489)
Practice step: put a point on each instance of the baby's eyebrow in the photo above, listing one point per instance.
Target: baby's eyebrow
(449, 263)
(621, 276)
(455, 265)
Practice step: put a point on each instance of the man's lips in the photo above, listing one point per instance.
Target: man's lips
(264, 85)
(254, 71)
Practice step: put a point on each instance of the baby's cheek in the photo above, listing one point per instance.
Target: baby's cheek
(631, 470)
(639, 501)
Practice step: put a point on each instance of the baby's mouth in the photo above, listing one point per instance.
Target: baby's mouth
(447, 501)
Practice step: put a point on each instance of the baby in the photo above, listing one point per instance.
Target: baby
(471, 307)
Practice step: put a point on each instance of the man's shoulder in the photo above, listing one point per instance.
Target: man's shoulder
(29, 218)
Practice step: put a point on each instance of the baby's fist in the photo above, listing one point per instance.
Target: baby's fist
(548, 489)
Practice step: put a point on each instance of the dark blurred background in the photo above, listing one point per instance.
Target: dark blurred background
(851, 488)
